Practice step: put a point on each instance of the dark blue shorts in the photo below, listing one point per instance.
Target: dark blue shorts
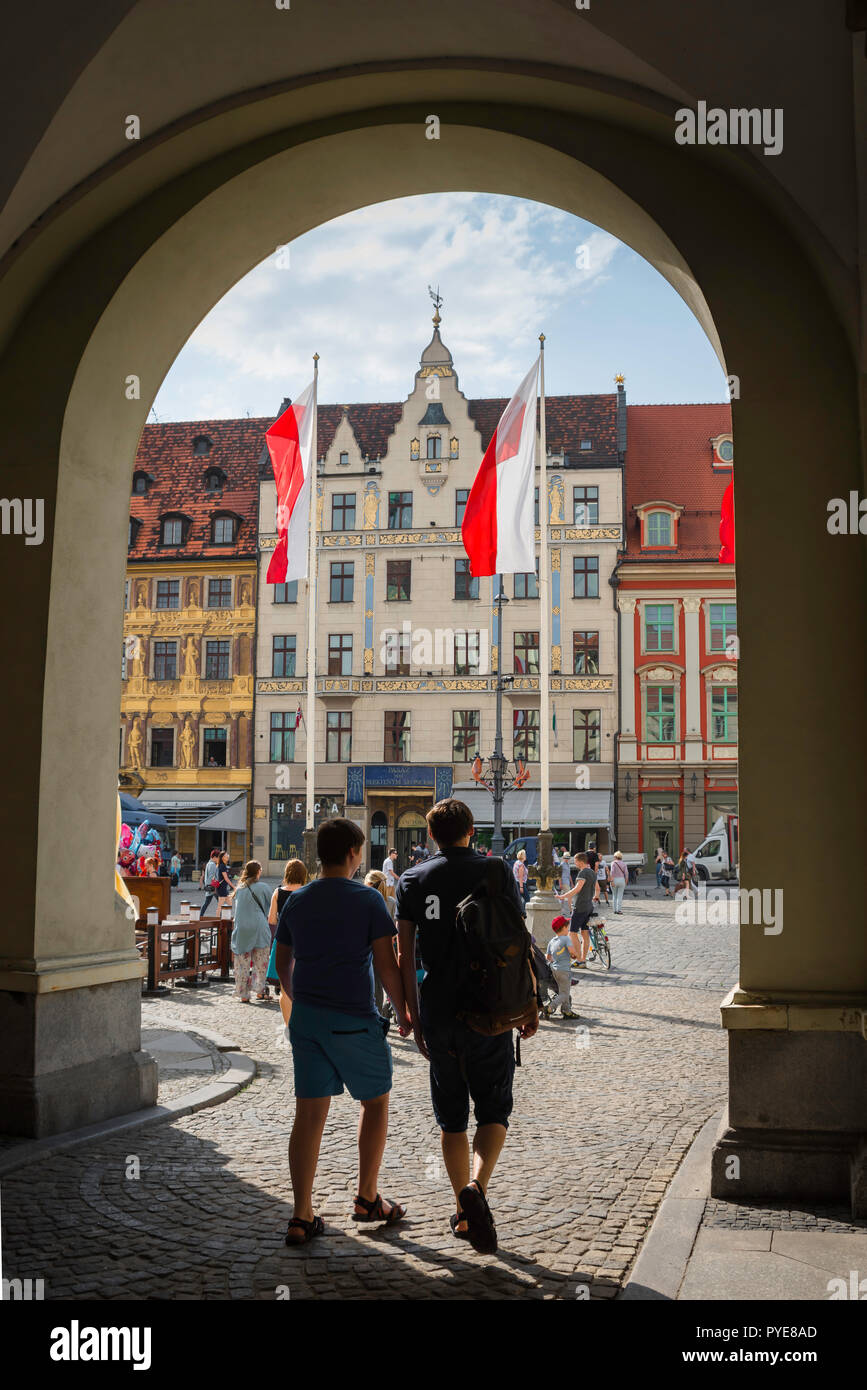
(331, 1050)
(463, 1065)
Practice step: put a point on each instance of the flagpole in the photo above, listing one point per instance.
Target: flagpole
(312, 568)
(545, 601)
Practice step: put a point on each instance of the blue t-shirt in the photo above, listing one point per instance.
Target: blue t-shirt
(331, 925)
(558, 952)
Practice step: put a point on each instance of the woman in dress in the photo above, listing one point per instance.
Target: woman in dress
(251, 936)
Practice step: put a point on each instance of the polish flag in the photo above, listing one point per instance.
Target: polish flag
(727, 526)
(498, 529)
(289, 440)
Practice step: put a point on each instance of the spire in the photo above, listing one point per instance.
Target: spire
(436, 354)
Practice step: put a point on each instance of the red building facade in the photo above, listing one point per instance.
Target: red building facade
(677, 740)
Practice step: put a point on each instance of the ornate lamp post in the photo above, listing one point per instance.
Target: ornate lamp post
(496, 777)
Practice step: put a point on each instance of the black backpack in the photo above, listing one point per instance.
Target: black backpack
(496, 989)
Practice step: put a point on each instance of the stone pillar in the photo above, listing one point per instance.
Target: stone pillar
(627, 677)
(692, 740)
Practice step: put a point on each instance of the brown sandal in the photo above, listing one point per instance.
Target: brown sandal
(373, 1211)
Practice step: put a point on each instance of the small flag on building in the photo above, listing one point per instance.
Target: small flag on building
(289, 440)
(299, 717)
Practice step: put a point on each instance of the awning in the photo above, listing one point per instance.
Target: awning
(184, 806)
(590, 809)
(133, 812)
(232, 817)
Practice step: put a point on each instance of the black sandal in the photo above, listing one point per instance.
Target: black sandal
(373, 1211)
(481, 1230)
(453, 1222)
(316, 1227)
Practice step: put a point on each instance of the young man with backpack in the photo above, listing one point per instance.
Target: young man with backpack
(478, 986)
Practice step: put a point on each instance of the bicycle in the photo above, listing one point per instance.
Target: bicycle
(600, 946)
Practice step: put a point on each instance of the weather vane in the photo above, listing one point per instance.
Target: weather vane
(437, 301)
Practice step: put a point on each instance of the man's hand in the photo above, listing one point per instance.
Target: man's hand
(420, 1042)
(529, 1029)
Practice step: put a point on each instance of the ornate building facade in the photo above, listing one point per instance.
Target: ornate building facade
(407, 643)
(190, 606)
(678, 743)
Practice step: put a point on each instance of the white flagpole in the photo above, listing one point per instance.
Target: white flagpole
(545, 601)
(312, 567)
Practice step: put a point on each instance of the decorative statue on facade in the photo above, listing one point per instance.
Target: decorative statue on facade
(187, 744)
(191, 656)
(134, 744)
(371, 508)
(556, 498)
(194, 593)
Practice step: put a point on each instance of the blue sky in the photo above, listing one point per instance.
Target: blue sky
(355, 291)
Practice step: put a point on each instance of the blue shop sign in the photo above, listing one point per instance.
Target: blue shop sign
(367, 777)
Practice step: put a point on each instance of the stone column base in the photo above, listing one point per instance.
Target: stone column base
(57, 1074)
(786, 1165)
(542, 908)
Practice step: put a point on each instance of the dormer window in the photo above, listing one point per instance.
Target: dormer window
(134, 528)
(723, 451)
(140, 481)
(202, 444)
(585, 444)
(344, 459)
(173, 530)
(223, 530)
(214, 480)
(659, 528)
(659, 522)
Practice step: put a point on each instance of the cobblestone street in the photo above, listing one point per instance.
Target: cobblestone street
(597, 1134)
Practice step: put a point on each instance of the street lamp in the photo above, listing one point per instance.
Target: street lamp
(497, 778)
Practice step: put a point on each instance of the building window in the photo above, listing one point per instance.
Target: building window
(344, 459)
(342, 581)
(434, 446)
(398, 575)
(162, 747)
(396, 653)
(585, 653)
(658, 528)
(465, 735)
(338, 736)
(527, 585)
(286, 593)
(134, 528)
(585, 445)
(120, 750)
(585, 506)
(343, 511)
(397, 731)
(165, 662)
(659, 722)
(168, 593)
(723, 624)
(282, 737)
(223, 530)
(214, 748)
(462, 496)
(659, 627)
(126, 594)
(202, 444)
(525, 735)
(724, 715)
(219, 593)
(172, 531)
(217, 660)
(586, 735)
(283, 656)
(140, 484)
(339, 654)
(123, 660)
(585, 576)
(399, 511)
(214, 480)
(467, 649)
(465, 585)
(527, 653)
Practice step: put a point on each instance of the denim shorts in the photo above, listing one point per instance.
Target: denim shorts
(464, 1065)
(331, 1050)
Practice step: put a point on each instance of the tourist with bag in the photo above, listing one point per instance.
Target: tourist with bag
(251, 934)
(619, 874)
(478, 988)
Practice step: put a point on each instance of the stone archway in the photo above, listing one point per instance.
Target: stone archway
(114, 302)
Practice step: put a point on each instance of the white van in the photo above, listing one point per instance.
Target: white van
(717, 855)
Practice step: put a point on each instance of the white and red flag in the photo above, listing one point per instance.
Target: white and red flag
(498, 529)
(289, 443)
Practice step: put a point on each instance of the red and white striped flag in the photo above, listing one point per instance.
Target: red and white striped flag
(289, 440)
(498, 529)
(727, 526)
(299, 717)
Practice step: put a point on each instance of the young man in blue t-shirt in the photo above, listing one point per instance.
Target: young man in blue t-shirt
(330, 937)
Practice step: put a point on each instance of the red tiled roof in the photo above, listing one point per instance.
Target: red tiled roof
(165, 452)
(668, 458)
(568, 420)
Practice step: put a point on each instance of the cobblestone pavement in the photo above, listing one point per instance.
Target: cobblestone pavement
(186, 1061)
(754, 1216)
(605, 1111)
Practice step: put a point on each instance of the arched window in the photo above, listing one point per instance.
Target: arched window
(659, 528)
